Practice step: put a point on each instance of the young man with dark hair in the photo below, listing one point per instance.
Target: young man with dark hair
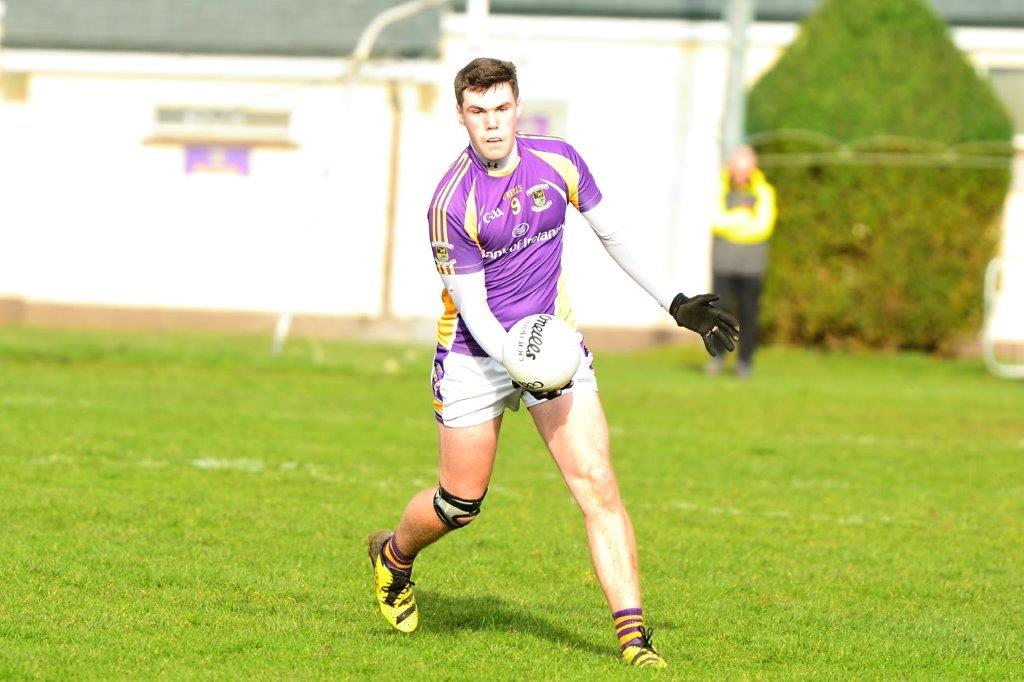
(496, 232)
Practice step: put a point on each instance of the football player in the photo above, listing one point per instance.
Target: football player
(496, 223)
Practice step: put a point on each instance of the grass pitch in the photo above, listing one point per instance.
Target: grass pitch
(185, 506)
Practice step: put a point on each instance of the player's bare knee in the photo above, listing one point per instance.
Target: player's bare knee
(597, 492)
(454, 511)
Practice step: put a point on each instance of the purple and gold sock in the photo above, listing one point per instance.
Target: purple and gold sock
(395, 559)
(627, 626)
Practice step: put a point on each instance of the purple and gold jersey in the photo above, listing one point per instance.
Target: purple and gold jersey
(509, 224)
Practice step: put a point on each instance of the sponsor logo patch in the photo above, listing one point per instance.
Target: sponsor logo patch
(523, 242)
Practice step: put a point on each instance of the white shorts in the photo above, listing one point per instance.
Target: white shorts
(470, 390)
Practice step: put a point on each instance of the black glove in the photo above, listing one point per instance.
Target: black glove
(548, 395)
(719, 329)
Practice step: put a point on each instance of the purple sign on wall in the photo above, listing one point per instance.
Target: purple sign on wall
(535, 124)
(543, 118)
(219, 160)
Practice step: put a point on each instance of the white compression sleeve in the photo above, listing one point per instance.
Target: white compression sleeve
(470, 295)
(614, 236)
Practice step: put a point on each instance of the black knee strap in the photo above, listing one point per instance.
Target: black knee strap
(455, 512)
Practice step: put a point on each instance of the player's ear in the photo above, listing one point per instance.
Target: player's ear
(458, 112)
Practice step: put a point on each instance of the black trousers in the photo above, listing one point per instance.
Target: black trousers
(741, 295)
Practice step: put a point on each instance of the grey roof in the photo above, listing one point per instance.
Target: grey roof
(332, 27)
(957, 12)
(259, 27)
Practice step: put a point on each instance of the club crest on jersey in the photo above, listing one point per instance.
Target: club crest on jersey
(540, 199)
(441, 251)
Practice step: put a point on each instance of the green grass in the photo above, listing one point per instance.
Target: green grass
(184, 506)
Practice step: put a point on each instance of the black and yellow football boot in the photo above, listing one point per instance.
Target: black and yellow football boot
(392, 588)
(644, 655)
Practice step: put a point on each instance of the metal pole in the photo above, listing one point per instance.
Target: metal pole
(477, 11)
(738, 15)
(392, 209)
(3, 16)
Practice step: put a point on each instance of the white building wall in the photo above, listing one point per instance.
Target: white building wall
(98, 216)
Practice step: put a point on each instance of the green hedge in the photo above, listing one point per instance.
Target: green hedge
(883, 233)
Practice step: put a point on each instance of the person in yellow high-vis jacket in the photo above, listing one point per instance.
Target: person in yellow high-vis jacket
(742, 225)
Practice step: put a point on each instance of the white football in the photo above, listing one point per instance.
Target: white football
(541, 352)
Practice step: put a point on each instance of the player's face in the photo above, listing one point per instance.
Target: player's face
(491, 118)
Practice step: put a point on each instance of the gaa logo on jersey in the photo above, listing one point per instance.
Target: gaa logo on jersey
(540, 199)
(492, 215)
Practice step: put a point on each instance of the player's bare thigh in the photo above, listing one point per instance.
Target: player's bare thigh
(575, 430)
(467, 457)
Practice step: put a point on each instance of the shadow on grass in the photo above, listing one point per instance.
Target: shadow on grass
(477, 612)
